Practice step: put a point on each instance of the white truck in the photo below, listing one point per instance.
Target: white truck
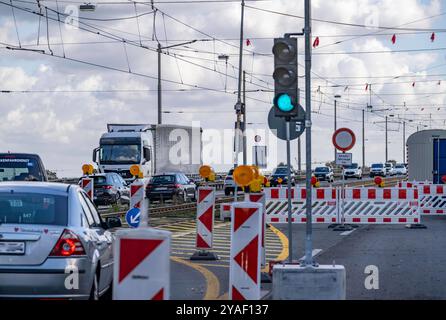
(155, 148)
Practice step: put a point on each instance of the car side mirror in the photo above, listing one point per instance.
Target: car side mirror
(113, 222)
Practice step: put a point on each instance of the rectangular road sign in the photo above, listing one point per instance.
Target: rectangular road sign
(344, 159)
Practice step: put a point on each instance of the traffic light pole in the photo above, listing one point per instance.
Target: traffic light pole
(290, 221)
(309, 230)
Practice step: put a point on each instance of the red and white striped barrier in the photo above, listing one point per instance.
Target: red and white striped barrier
(432, 199)
(412, 184)
(324, 205)
(244, 263)
(381, 206)
(225, 211)
(261, 198)
(137, 193)
(205, 217)
(88, 185)
(142, 264)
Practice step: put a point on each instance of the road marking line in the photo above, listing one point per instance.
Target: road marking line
(314, 253)
(346, 233)
(212, 282)
(284, 240)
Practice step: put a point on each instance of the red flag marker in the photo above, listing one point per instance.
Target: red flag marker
(433, 36)
(316, 42)
(248, 42)
(394, 38)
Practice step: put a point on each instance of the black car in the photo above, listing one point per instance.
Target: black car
(21, 167)
(324, 173)
(171, 186)
(110, 188)
(280, 177)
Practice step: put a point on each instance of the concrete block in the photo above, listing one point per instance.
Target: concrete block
(294, 282)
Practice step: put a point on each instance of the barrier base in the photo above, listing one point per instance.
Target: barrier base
(265, 278)
(204, 256)
(416, 226)
(343, 227)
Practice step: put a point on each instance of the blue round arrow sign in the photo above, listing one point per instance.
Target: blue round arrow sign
(133, 217)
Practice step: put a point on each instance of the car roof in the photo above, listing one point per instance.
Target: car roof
(50, 187)
(29, 155)
(166, 174)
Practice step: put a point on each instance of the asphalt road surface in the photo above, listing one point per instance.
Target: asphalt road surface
(411, 262)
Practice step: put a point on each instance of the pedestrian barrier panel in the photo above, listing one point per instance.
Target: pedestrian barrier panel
(432, 199)
(381, 206)
(324, 205)
(259, 197)
(142, 264)
(225, 211)
(205, 224)
(88, 185)
(245, 256)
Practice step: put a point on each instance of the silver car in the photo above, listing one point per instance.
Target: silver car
(53, 243)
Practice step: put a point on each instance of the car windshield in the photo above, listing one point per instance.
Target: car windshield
(230, 172)
(322, 169)
(377, 166)
(33, 208)
(388, 165)
(400, 166)
(120, 153)
(353, 166)
(280, 171)
(14, 168)
(164, 179)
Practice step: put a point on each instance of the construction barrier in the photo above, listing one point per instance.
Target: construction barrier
(259, 197)
(88, 185)
(381, 205)
(324, 205)
(412, 184)
(225, 211)
(245, 256)
(137, 194)
(432, 199)
(142, 264)
(205, 217)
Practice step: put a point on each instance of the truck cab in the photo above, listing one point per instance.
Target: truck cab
(123, 146)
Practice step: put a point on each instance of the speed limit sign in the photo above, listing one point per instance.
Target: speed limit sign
(344, 139)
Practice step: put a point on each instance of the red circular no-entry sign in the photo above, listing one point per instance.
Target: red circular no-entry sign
(344, 139)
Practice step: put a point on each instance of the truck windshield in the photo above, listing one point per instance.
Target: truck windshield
(120, 153)
(13, 168)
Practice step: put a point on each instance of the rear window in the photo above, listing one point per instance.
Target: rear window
(33, 208)
(100, 180)
(166, 179)
(281, 171)
(14, 168)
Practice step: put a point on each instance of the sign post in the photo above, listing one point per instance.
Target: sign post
(344, 140)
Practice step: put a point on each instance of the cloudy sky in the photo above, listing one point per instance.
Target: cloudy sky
(104, 71)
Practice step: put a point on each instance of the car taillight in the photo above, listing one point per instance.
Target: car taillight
(177, 186)
(68, 245)
(107, 187)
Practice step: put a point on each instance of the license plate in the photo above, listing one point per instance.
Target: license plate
(8, 247)
(161, 189)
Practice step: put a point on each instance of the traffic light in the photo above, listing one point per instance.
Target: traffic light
(285, 77)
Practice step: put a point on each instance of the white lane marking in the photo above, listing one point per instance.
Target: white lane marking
(314, 253)
(346, 233)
